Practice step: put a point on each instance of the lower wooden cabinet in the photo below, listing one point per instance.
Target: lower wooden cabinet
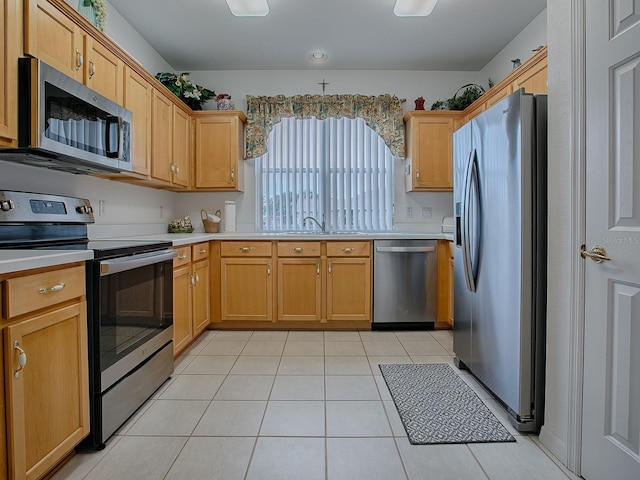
(191, 294)
(46, 367)
(246, 282)
(293, 284)
(445, 285)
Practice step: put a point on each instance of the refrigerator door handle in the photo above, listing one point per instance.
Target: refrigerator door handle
(475, 221)
(466, 225)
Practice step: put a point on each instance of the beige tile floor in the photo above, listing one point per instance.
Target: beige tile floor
(299, 406)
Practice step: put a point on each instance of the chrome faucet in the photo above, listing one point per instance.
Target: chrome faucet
(321, 225)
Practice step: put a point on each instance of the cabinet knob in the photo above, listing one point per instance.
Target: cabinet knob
(181, 257)
(268, 270)
(348, 250)
(246, 249)
(298, 249)
(203, 251)
(233, 175)
(55, 288)
(22, 359)
(192, 280)
(92, 68)
(330, 269)
(417, 175)
(197, 277)
(318, 270)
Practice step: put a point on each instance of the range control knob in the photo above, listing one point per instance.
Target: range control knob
(6, 205)
(82, 209)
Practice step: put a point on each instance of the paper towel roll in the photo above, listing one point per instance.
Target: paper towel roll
(229, 216)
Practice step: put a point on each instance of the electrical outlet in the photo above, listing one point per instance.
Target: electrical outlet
(426, 212)
(161, 211)
(409, 212)
(102, 208)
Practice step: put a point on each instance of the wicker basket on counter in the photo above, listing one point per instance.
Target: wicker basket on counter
(209, 225)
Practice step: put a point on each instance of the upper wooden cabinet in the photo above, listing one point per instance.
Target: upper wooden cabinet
(181, 157)
(429, 150)
(8, 73)
(137, 98)
(103, 71)
(219, 151)
(54, 38)
(57, 40)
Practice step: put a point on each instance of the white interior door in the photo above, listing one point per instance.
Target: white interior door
(611, 421)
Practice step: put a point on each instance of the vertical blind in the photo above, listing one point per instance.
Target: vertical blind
(339, 170)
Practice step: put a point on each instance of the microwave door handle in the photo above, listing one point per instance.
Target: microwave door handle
(111, 120)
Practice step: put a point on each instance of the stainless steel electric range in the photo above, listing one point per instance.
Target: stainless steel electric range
(129, 302)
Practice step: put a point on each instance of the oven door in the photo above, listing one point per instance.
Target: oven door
(135, 319)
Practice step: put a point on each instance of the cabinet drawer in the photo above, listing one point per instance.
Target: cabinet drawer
(33, 292)
(348, 249)
(298, 249)
(200, 251)
(184, 256)
(245, 249)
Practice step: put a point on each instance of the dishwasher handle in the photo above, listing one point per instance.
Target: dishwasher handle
(405, 249)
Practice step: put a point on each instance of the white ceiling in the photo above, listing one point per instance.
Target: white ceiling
(356, 34)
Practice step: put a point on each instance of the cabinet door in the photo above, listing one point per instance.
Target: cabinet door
(182, 324)
(181, 151)
(53, 38)
(247, 289)
(432, 153)
(104, 71)
(499, 95)
(201, 287)
(8, 73)
(299, 289)
(161, 138)
(349, 289)
(217, 155)
(137, 98)
(48, 401)
(534, 80)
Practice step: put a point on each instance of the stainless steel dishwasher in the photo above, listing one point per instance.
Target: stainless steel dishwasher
(404, 284)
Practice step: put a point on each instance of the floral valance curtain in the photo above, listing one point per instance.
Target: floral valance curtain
(383, 113)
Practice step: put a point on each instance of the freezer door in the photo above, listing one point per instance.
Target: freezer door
(462, 297)
(501, 312)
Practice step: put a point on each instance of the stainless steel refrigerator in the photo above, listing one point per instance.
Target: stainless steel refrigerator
(500, 253)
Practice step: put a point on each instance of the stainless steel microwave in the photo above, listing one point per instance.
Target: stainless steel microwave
(63, 125)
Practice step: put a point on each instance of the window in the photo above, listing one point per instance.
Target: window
(336, 170)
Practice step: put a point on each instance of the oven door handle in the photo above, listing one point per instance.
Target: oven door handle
(109, 267)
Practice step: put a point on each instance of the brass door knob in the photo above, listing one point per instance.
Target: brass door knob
(597, 253)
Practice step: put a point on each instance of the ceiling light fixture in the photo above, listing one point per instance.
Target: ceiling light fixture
(414, 8)
(248, 8)
(318, 57)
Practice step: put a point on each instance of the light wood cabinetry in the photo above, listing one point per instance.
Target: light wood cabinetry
(104, 71)
(246, 280)
(300, 281)
(47, 400)
(429, 134)
(292, 284)
(429, 161)
(57, 40)
(181, 156)
(8, 72)
(137, 98)
(161, 138)
(170, 137)
(191, 287)
(445, 285)
(349, 281)
(54, 38)
(219, 152)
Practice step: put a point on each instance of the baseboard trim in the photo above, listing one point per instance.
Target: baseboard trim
(556, 447)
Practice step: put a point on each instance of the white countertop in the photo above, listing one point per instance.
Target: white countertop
(17, 260)
(179, 239)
